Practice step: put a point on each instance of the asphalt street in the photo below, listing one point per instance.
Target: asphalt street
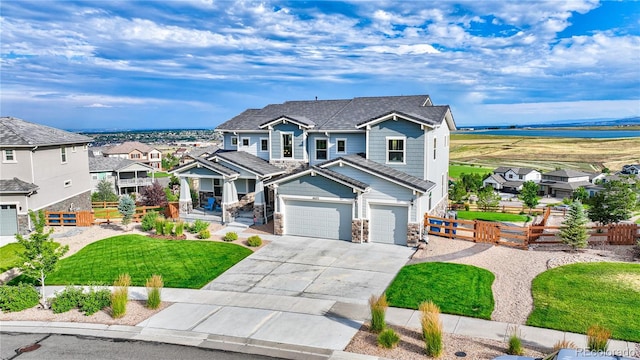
(80, 347)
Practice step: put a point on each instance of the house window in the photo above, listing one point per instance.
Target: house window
(245, 142)
(9, 156)
(63, 154)
(321, 149)
(395, 150)
(217, 187)
(435, 143)
(264, 144)
(155, 156)
(287, 145)
(234, 141)
(135, 156)
(67, 183)
(341, 146)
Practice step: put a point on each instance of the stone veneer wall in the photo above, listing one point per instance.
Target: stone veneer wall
(278, 224)
(413, 234)
(289, 165)
(360, 231)
(79, 202)
(23, 224)
(441, 208)
(258, 214)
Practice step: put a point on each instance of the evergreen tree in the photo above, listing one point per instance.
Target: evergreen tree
(104, 192)
(615, 203)
(457, 192)
(126, 207)
(41, 253)
(574, 229)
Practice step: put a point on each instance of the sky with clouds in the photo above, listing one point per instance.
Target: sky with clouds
(195, 64)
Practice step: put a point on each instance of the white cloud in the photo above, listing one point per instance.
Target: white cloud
(98, 105)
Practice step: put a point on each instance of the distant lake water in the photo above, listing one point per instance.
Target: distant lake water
(564, 133)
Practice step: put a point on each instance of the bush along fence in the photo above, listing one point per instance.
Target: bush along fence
(102, 215)
(523, 236)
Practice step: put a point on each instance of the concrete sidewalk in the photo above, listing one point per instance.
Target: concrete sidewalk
(279, 326)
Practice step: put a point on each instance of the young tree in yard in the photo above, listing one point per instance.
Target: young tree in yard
(616, 202)
(472, 182)
(104, 192)
(457, 192)
(580, 194)
(126, 207)
(153, 195)
(529, 194)
(574, 230)
(488, 199)
(41, 253)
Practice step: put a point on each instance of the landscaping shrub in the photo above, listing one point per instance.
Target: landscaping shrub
(18, 297)
(388, 338)
(198, 226)
(598, 338)
(168, 227)
(378, 307)
(179, 229)
(254, 241)
(515, 344)
(230, 236)
(94, 301)
(154, 285)
(120, 296)
(69, 298)
(564, 344)
(431, 329)
(204, 234)
(148, 221)
(159, 226)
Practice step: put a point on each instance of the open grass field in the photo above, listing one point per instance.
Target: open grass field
(491, 216)
(455, 288)
(544, 153)
(9, 256)
(573, 297)
(182, 264)
(455, 170)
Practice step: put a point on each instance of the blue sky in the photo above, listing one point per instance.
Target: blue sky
(195, 64)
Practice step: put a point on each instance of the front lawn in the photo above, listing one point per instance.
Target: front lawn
(182, 264)
(573, 297)
(455, 171)
(491, 216)
(101, 213)
(160, 174)
(9, 256)
(455, 288)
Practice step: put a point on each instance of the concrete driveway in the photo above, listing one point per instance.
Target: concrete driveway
(316, 268)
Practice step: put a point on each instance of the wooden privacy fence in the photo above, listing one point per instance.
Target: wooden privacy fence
(103, 215)
(507, 209)
(523, 236)
(69, 218)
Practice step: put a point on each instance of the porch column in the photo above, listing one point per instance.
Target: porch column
(185, 196)
(229, 197)
(259, 211)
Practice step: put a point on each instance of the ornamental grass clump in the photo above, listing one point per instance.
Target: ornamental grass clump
(159, 226)
(154, 286)
(431, 329)
(168, 227)
(179, 229)
(120, 296)
(564, 344)
(378, 306)
(388, 338)
(598, 338)
(515, 343)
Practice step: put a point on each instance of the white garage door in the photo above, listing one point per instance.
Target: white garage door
(8, 220)
(318, 219)
(388, 224)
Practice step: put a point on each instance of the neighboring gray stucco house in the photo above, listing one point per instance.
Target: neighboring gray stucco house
(562, 183)
(363, 170)
(127, 176)
(41, 168)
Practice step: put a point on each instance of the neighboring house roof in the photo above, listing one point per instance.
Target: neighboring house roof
(497, 178)
(513, 184)
(128, 147)
(19, 133)
(249, 162)
(517, 170)
(213, 166)
(333, 115)
(566, 185)
(104, 164)
(298, 120)
(328, 173)
(206, 150)
(17, 186)
(384, 172)
(567, 173)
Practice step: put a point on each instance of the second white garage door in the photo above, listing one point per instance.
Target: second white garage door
(318, 219)
(388, 224)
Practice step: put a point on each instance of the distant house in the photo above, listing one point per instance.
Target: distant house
(127, 176)
(42, 168)
(510, 179)
(198, 153)
(562, 183)
(136, 151)
(631, 169)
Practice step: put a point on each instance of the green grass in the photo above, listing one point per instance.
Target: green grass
(491, 216)
(573, 297)
(456, 170)
(9, 256)
(161, 174)
(182, 264)
(101, 213)
(456, 289)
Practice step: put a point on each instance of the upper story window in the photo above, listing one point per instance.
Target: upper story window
(155, 156)
(435, 149)
(9, 155)
(395, 150)
(63, 154)
(234, 141)
(321, 149)
(135, 156)
(341, 146)
(245, 142)
(287, 145)
(264, 144)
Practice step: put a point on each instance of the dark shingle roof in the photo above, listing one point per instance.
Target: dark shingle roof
(517, 170)
(323, 172)
(567, 173)
(248, 161)
(498, 178)
(17, 132)
(384, 171)
(331, 115)
(16, 185)
(217, 167)
(103, 164)
(127, 147)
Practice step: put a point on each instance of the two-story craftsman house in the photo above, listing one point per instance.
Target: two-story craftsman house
(363, 169)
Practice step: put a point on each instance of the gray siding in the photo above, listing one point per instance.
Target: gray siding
(254, 144)
(227, 141)
(355, 145)
(414, 145)
(298, 141)
(315, 186)
(201, 172)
